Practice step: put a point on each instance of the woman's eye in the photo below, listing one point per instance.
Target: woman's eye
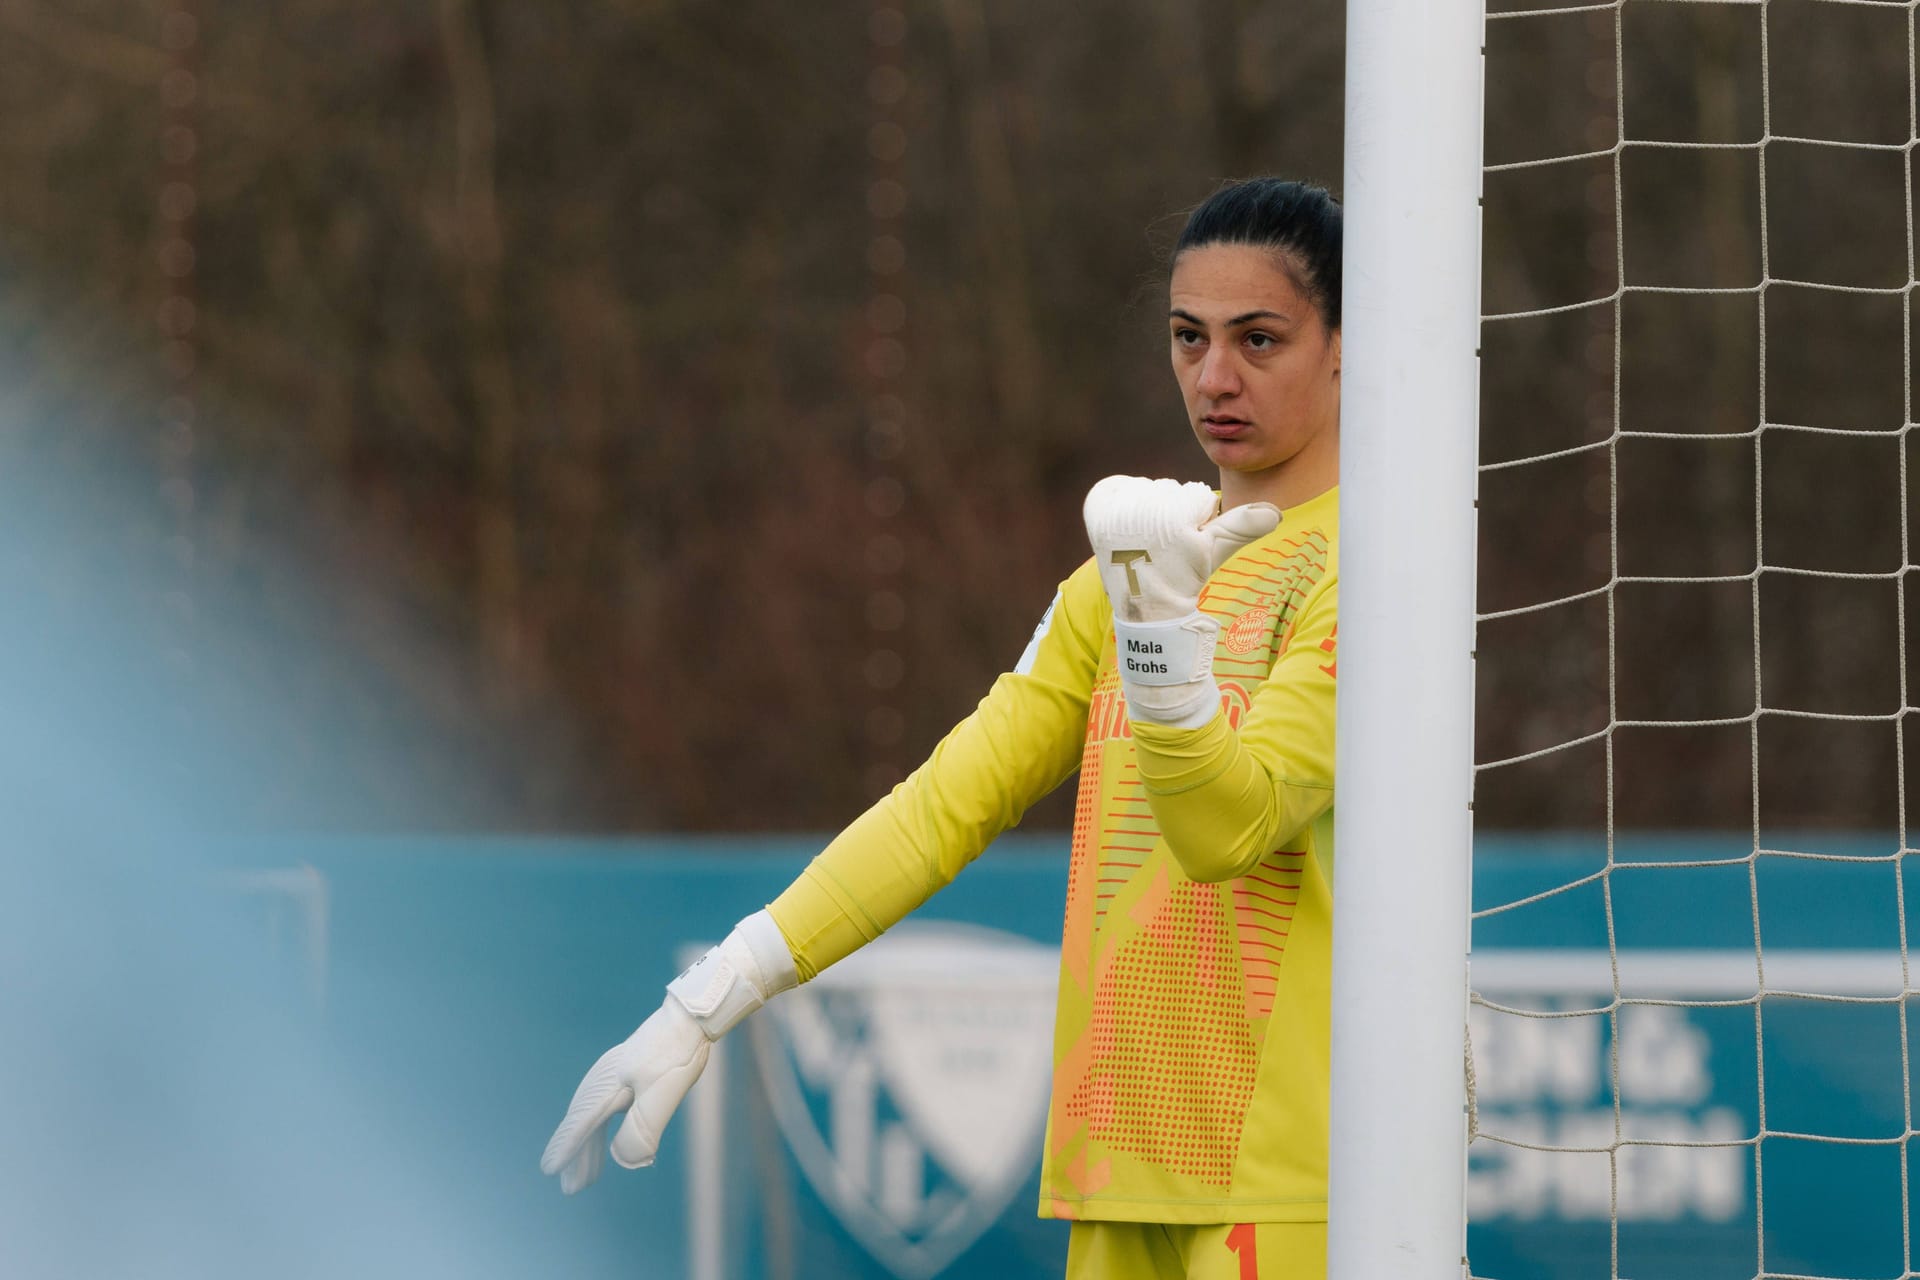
(1260, 341)
(1186, 337)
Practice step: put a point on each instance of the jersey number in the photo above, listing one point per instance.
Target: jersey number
(1241, 1240)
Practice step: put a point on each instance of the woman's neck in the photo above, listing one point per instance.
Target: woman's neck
(1305, 476)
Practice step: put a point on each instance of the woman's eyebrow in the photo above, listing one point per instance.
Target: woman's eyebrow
(1236, 322)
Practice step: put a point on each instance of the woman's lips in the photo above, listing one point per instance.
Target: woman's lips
(1223, 428)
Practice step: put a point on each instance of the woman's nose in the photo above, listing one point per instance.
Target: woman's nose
(1218, 377)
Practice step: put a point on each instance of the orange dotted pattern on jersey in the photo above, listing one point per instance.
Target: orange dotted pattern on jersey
(1180, 983)
(1173, 1060)
(1076, 936)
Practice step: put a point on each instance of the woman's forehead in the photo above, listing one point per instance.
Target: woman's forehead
(1219, 281)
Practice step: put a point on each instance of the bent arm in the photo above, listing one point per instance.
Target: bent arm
(1224, 797)
(1021, 742)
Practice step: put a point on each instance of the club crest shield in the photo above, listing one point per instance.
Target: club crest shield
(910, 1082)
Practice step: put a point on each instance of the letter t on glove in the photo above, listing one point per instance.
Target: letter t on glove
(1156, 543)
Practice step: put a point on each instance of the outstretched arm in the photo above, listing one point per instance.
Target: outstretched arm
(1020, 742)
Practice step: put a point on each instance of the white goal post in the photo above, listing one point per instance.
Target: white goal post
(1410, 422)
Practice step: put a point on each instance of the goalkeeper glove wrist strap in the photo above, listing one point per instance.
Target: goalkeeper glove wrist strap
(1166, 669)
(733, 979)
(1174, 652)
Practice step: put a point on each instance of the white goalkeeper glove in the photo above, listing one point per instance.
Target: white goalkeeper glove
(1156, 543)
(648, 1073)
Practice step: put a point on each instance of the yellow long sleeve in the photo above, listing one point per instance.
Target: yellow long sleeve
(1021, 742)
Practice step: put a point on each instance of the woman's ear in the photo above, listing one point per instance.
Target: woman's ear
(1336, 353)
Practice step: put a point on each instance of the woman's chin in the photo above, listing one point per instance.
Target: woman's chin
(1238, 455)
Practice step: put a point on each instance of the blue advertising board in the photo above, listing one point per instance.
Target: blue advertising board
(885, 1120)
(1722, 1131)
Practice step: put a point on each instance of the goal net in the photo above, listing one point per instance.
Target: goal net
(1691, 658)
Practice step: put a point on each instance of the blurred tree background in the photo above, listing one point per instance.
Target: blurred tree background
(673, 415)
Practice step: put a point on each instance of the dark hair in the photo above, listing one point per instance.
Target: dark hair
(1299, 220)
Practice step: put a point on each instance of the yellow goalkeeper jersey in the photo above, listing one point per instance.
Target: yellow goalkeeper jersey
(1191, 1039)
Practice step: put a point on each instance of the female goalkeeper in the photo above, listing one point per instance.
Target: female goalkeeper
(1187, 672)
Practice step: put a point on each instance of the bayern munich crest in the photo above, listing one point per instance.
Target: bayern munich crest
(910, 1083)
(1248, 632)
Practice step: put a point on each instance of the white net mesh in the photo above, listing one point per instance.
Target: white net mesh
(1700, 269)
